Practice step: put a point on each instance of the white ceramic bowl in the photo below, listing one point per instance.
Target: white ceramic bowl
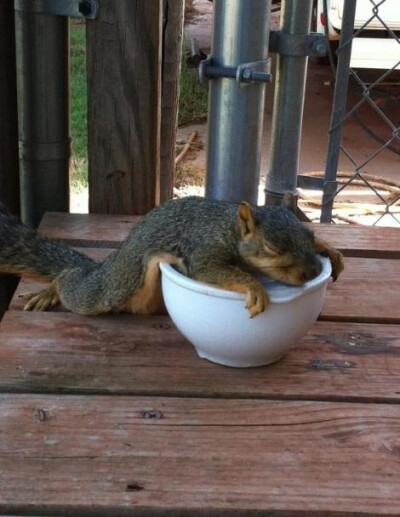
(217, 322)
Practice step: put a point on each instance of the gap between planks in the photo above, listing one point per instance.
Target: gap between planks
(107, 231)
(121, 355)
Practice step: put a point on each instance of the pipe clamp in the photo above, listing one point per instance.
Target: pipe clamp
(246, 73)
(87, 9)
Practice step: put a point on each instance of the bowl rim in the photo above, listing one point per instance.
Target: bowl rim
(283, 294)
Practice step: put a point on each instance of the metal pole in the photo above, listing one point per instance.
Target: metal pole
(287, 117)
(339, 109)
(43, 110)
(236, 111)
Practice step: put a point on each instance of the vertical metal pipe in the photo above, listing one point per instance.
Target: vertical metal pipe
(43, 111)
(338, 109)
(290, 82)
(240, 35)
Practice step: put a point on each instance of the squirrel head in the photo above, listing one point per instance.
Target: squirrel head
(276, 243)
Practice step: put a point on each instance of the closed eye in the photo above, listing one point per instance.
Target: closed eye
(271, 250)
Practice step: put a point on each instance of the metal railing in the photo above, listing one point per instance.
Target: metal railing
(365, 93)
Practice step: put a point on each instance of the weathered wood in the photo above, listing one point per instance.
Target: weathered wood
(362, 241)
(361, 293)
(163, 456)
(93, 230)
(364, 292)
(9, 179)
(171, 66)
(124, 106)
(53, 352)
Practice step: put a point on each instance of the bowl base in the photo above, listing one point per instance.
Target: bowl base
(238, 364)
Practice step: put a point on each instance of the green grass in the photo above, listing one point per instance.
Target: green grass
(192, 101)
(78, 104)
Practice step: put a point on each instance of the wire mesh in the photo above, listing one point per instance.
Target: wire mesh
(373, 102)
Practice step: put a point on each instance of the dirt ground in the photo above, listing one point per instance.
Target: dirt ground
(316, 122)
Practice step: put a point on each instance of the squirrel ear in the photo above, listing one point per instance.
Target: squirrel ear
(247, 221)
(289, 201)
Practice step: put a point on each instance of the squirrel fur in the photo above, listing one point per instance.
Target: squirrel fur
(215, 242)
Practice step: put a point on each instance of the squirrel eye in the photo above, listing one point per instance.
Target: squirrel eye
(271, 249)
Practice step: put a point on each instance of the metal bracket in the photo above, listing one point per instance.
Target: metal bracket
(313, 183)
(73, 8)
(246, 73)
(313, 44)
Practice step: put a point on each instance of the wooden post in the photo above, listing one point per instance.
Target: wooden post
(9, 184)
(171, 67)
(124, 106)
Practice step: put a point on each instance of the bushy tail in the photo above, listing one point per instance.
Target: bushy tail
(24, 251)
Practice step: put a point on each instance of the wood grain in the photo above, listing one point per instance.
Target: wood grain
(123, 354)
(9, 178)
(168, 456)
(359, 241)
(171, 68)
(364, 292)
(124, 106)
(93, 230)
(360, 294)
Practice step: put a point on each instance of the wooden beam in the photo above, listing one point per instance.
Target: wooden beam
(353, 241)
(165, 456)
(9, 183)
(124, 106)
(9, 179)
(171, 67)
(137, 355)
(360, 294)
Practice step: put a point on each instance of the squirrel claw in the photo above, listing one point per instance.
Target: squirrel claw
(256, 301)
(41, 301)
(337, 262)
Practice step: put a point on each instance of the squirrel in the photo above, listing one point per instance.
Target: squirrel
(215, 242)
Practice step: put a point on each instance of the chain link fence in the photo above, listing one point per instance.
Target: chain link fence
(360, 184)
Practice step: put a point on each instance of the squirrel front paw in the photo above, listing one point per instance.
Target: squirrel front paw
(337, 262)
(256, 300)
(334, 255)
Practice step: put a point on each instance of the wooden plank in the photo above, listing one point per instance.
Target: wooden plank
(9, 178)
(357, 241)
(361, 294)
(361, 241)
(364, 292)
(63, 352)
(163, 456)
(171, 67)
(124, 106)
(93, 230)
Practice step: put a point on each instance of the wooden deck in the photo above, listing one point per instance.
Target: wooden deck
(117, 416)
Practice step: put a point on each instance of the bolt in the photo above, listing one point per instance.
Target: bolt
(152, 414)
(85, 8)
(247, 74)
(319, 48)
